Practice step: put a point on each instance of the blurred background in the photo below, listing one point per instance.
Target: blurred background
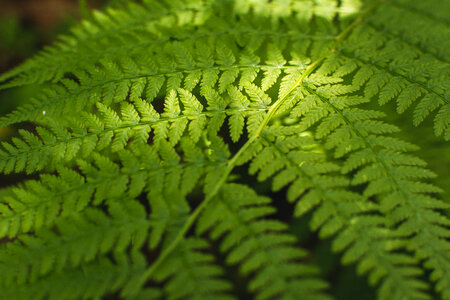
(27, 25)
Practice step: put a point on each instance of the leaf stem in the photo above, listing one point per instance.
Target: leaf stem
(232, 162)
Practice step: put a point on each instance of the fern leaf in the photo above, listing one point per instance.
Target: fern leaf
(379, 174)
(153, 120)
(92, 280)
(259, 245)
(192, 274)
(404, 69)
(79, 240)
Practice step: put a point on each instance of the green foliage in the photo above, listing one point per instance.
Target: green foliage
(156, 119)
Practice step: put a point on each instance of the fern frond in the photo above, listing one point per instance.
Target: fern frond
(259, 245)
(296, 161)
(118, 77)
(393, 59)
(56, 143)
(193, 274)
(92, 280)
(79, 239)
(38, 203)
(393, 177)
(151, 119)
(137, 21)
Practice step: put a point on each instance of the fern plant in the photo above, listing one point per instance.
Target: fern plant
(156, 120)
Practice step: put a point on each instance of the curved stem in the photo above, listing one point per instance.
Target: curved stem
(230, 166)
(232, 162)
